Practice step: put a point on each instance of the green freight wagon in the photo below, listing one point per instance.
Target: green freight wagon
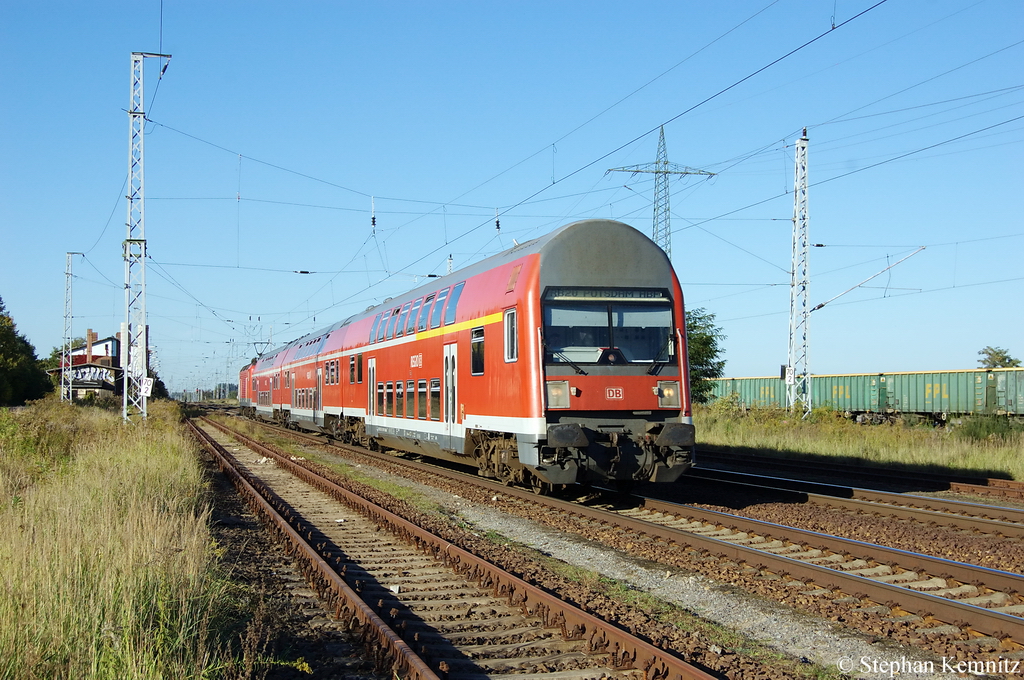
(937, 394)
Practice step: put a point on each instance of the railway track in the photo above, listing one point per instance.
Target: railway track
(979, 517)
(919, 480)
(901, 594)
(426, 608)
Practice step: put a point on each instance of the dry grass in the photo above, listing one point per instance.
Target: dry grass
(107, 566)
(982, 446)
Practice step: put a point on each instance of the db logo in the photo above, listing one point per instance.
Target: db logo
(613, 393)
(416, 361)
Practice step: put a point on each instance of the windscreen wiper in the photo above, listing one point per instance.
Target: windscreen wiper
(569, 361)
(655, 365)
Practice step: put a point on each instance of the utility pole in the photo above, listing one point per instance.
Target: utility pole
(797, 374)
(66, 369)
(661, 169)
(134, 341)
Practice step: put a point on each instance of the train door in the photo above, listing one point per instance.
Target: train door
(371, 393)
(451, 397)
(318, 406)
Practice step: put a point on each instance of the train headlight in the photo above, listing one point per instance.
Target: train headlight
(558, 393)
(668, 394)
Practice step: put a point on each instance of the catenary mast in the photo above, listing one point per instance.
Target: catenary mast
(66, 369)
(134, 342)
(797, 372)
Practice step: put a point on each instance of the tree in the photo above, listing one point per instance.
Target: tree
(21, 378)
(703, 350)
(997, 357)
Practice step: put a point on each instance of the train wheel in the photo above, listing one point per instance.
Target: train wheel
(539, 486)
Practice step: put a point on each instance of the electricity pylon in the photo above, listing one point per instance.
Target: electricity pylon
(661, 169)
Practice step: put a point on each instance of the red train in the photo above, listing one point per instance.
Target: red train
(559, 361)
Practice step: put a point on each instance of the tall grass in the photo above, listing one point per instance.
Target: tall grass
(107, 569)
(972, 446)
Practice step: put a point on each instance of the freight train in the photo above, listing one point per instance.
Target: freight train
(877, 397)
(559, 361)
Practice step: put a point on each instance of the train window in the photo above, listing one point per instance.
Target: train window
(410, 327)
(383, 325)
(399, 399)
(511, 336)
(373, 328)
(477, 350)
(352, 369)
(421, 388)
(359, 368)
(435, 399)
(380, 398)
(389, 399)
(421, 324)
(391, 324)
(435, 314)
(410, 399)
(453, 303)
(400, 326)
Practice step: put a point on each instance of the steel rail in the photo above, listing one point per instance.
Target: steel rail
(623, 649)
(397, 655)
(996, 579)
(986, 621)
(952, 481)
(1005, 521)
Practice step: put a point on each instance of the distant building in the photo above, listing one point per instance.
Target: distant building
(95, 367)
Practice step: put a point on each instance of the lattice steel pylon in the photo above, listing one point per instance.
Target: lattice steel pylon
(661, 169)
(66, 393)
(798, 374)
(134, 341)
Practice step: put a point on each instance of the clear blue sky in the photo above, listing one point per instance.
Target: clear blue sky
(276, 123)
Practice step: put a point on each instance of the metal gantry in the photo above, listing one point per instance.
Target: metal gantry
(661, 169)
(797, 374)
(66, 369)
(134, 342)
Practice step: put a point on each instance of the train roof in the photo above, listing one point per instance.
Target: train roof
(578, 245)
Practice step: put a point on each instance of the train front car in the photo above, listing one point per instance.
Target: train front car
(613, 352)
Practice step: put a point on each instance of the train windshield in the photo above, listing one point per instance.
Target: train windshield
(580, 332)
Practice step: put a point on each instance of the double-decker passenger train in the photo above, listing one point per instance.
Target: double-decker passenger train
(559, 361)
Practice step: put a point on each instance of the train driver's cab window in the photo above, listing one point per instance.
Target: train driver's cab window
(600, 332)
